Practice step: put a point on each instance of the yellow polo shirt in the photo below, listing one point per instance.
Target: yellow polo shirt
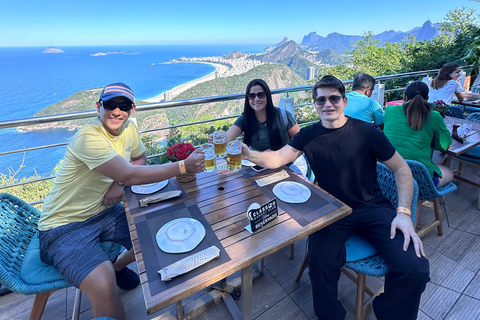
(78, 190)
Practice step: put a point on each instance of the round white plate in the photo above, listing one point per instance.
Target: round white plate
(180, 235)
(292, 192)
(247, 163)
(150, 187)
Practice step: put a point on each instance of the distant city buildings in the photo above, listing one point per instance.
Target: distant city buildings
(235, 66)
(310, 73)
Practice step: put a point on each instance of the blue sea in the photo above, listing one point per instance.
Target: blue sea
(31, 81)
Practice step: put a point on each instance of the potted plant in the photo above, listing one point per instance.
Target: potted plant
(178, 152)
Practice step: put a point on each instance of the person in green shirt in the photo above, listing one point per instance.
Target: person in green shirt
(414, 129)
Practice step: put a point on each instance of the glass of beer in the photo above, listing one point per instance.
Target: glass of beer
(234, 155)
(220, 143)
(210, 157)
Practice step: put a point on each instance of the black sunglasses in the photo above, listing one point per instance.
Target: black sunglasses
(334, 99)
(112, 105)
(260, 95)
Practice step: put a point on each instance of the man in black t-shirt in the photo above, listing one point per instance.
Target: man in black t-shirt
(343, 153)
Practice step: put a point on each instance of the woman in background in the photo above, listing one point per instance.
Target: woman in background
(264, 126)
(446, 84)
(414, 129)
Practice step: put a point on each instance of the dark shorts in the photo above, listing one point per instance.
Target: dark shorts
(74, 249)
(436, 179)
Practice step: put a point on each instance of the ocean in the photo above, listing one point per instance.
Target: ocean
(31, 81)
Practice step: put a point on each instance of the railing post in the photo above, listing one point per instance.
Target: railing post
(379, 93)
(287, 103)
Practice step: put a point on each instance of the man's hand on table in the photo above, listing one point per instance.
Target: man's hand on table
(403, 222)
(195, 163)
(113, 194)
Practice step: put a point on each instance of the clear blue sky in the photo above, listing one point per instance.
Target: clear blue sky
(105, 22)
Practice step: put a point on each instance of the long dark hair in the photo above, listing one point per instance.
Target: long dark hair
(444, 75)
(416, 107)
(250, 123)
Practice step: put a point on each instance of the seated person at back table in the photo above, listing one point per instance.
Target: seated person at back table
(414, 129)
(446, 85)
(263, 123)
(83, 208)
(343, 153)
(360, 105)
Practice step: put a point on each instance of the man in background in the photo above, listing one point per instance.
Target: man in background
(83, 208)
(360, 105)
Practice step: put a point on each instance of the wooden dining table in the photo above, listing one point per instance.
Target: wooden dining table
(468, 103)
(222, 197)
(457, 148)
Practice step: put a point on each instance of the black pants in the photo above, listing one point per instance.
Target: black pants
(407, 274)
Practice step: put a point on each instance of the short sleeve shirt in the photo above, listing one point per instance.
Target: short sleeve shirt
(260, 141)
(417, 144)
(78, 190)
(364, 108)
(344, 160)
(446, 93)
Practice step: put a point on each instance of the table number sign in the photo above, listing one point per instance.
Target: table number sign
(261, 215)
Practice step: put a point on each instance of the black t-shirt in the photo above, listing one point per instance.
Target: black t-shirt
(344, 159)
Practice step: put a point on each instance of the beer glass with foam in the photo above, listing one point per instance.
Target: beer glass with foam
(220, 143)
(210, 156)
(234, 155)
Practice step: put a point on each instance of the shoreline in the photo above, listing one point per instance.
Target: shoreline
(221, 68)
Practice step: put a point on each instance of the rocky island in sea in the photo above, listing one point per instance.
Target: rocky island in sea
(52, 50)
(112, 52)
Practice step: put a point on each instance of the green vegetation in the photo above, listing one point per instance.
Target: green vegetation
(459, 42)
(29, 192)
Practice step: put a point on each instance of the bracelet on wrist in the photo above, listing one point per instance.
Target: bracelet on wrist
(404, 210)
(181, 165)
(121, 184)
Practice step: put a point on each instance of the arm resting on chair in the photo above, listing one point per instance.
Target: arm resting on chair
(404, 182)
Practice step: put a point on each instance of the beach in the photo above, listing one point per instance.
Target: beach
(220, 68)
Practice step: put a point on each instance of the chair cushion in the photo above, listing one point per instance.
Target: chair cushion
(358, 248)
(34, 271)
(472, 153)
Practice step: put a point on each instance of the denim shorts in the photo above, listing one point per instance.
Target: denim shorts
(74, 249)
(436, 179)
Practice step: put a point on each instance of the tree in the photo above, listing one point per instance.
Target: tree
(458, 21)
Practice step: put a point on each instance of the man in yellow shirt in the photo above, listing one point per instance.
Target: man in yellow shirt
(83, 208)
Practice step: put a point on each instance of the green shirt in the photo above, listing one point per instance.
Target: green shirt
(417, 144)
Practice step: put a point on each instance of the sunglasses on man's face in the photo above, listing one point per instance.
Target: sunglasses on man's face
(260, 95)
(112, 105)
(334, 99)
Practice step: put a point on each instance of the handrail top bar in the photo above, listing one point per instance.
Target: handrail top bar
(178, 103)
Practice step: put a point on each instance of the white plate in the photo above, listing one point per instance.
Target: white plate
(247, 163)
(292, 192)
(150, 187)
(180, 235)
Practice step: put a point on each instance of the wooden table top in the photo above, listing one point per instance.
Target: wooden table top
(468, 103)
(223, 197)
(457, 148)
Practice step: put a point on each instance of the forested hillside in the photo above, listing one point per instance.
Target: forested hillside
(276, 75)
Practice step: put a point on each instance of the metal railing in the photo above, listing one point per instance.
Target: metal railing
(167, 105)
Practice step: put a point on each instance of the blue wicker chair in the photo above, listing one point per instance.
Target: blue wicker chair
(471, 157)
(456, 112)
(428, 191)
(362, 258)
(18, 228)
